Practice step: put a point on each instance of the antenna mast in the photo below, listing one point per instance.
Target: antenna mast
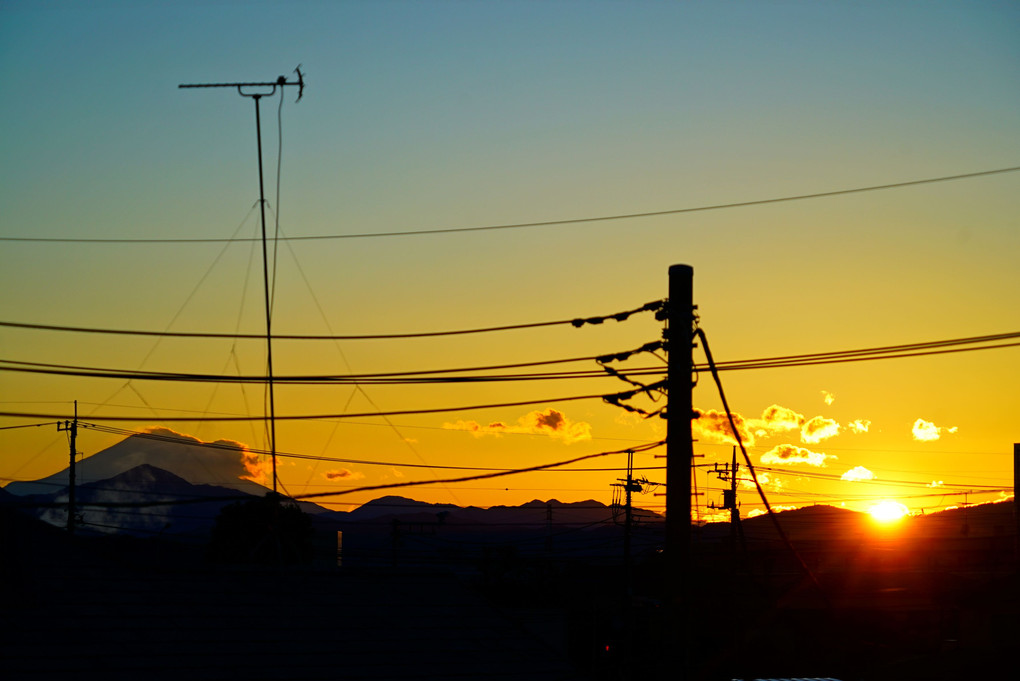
(244, 89)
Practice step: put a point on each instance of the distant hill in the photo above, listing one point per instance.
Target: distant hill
(129, 503)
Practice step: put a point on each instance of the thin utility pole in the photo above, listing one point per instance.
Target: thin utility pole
(280, 82)
(72, 428)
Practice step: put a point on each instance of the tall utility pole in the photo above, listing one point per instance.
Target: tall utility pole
(280, 82)
(72, 428)
(679, 457)
(679, 438)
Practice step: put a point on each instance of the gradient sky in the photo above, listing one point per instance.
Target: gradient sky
(433, 115)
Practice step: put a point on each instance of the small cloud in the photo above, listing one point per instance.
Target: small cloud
(777, 418)
(859, 426)
(714, 426)
(936, 483)
(768, 482)
(757, 512)
(828, 397)
(550, 422)
(926, 431)
(786, 455)
(857, 474)
(818, 429)
(342, 474)
(257, 469)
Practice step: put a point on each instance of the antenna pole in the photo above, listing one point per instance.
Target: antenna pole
(265, 285)
(280, 82)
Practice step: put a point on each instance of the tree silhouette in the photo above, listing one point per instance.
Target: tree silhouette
(262, 531)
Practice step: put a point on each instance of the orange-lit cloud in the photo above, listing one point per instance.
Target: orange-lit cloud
(857, 474)
(859, 426)
(818, 429)
(926, 431)
(768, 482)
(828, 397)
(550, 422)
(757, 512)
(257, 469)
(779, 419)
(714, 426)
(787, 455)
(342, 474)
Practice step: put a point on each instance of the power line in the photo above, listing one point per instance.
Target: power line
(576, 322)
(368, 488)
(544, 223)
(340, 379)
(315, 417)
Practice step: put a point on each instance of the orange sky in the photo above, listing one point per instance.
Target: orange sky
(441, 115)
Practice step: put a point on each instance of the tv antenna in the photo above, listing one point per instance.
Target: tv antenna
(256, 91)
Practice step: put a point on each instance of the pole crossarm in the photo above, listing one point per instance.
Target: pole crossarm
(280, 82)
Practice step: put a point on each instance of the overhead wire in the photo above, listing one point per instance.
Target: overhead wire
(747, 459)
(576, 322)
(366, 488)
(340, 379)
(543, 223)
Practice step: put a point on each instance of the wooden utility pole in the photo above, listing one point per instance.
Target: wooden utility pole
(679, 439)
(679, 457)
(72, 428)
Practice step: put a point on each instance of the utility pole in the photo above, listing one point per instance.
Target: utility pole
(729, 473)
(629, 485)
(679, 457)
(72, 428)
(679, 438)
(280, 82)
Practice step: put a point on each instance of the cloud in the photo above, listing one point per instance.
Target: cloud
(936, 483)
(714, 426)
(768, 482)
(787, 455)
(780, 419)
(859, 426)
(550, 422)
(926, 431)
(828, 397)
(342, 474)
(818, 429)
(777, 509)
(857, 474)
(256, 469)
(776, 419)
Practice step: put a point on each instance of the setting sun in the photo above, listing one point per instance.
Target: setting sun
(888, 511)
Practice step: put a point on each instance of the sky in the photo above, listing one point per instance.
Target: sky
(451, 115)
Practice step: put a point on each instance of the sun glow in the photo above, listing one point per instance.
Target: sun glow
(886, 512)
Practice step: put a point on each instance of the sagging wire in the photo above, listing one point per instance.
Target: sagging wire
(653, 390)
(577, 323)
(654, 306)
(750, 467)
